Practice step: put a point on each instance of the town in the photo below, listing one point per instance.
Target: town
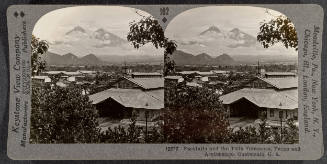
(246, 95)
(223, 80)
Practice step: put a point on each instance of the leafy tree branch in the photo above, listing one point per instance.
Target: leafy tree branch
(280, 29)
(148, 30)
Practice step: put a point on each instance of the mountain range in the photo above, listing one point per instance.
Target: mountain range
(180, 58)
(183, 58)
(71, 59)
(91, 59)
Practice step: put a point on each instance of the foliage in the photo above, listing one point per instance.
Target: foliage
(122, 135)
(62, 115)
(265, 134)
(280, 29)
(155, 135)
(193, 115)
(39, 48)
(291, 132)
(148, 30)
(245, 135)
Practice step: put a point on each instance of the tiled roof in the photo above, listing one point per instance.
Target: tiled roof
(148, 83)
(282, 83)
(134, 98)
(266, 98)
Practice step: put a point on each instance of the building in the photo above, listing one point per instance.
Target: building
(41, 79)
(176, 79)
(67, 77)
(146, 75)
(144, 96)
(220, 72)
(265, 74)
(275, 97)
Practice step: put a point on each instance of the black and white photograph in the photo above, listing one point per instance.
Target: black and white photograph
(235, 77)
(216, 74)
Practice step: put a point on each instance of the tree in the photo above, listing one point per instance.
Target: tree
(121, 134)
(291, 132)
(148, 30)
(193, 115)
(62, 115)
(280, 29)
(245, 135)
(39, 48)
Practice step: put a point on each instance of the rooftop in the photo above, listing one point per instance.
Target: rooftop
(266, 98)
(220, 71)
(63, 72)
(134, 98)
(197, 72)
(188, 72)
(148, 83)
(40, 77)
(280, 73)
(282, 83)
(173, 77)
(87, 72)
(146, 73)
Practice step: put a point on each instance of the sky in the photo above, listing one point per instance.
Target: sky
(188, 25)
(53, 26)
(113, 18)
(196, 20)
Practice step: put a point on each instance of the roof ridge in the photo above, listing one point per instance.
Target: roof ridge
(152, 96)
(130, 79)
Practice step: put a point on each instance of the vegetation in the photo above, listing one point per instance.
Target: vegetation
(148, 30)
(62, 115)
(39, 48)
(120, 134)
(279, 29)
(193, 115)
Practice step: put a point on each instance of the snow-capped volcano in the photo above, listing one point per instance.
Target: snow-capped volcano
(107, 38)
(233, 38)
(215, 40)
(211, 29)
(77, 29)
(244, 39)
(82, 41)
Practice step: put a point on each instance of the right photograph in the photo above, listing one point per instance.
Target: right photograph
(231, 77)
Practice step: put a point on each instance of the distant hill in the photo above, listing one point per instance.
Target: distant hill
(132, 59)
(91, 59)
(183, 58)
(71, 59)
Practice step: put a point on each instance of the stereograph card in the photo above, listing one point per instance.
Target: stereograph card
(104, 82)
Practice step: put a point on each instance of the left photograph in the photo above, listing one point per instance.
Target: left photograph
(94, 79)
